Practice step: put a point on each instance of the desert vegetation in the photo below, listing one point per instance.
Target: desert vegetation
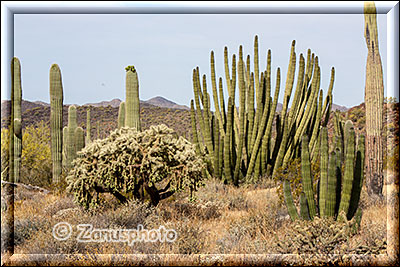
(236, 180)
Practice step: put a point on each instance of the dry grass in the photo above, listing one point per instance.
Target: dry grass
(222, 220)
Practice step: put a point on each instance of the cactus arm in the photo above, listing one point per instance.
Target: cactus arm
(358, 177)
(241, 121)
(215, 94)
(304, 211)
(121, 115)
(289, 80)
(348, 171)
(323, 185)
(331, 197)
(289, 201)
(306, 175)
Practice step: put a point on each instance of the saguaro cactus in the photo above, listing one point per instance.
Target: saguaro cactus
(88, 127)
(373, 105)
(332, 190)
(132, 103)
(79, 139)
(70, 140)
(15, 148)
(121, 115)
(56, 121)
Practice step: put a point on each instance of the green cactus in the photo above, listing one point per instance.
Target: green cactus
(289, 201)
(348, 176)
(79, 139)
(304, 211)
(323, 189)
(227, 143)
(16, 133)
(56, 121)
(88, 128)
(70, 147)
(132, 102)
(336, 198)
(253, 150)
(145, 165)
(121, 115)
(307, 180)
(333, 183)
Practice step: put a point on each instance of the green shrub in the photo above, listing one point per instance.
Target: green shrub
(130, 164)
(35, 157)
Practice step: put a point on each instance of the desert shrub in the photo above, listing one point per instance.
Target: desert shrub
(5, 143)
(35, 157)
(131, 164)
(319, 236)
(292, 173)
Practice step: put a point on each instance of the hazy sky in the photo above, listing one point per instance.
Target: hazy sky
(93, 51)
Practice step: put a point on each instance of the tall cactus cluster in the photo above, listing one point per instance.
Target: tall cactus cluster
(132, 102)
(56, 121)
(15, 149)
(339, 192)
(240, 143)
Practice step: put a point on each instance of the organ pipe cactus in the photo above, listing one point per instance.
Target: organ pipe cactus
(56, 121)
(256, 149)
(132, 103)
(338, 199)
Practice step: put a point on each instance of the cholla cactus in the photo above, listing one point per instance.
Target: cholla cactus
(128, 163)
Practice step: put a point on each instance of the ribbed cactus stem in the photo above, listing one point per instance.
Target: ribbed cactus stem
(306, 176)
(331, 198)
(358, 177)
(70, 145)
(289, 201)
(194, 128)
(227, 142)
(16, 119)
(241, 121)
(215, 95)
(79, 139)
(374, 105)
(348, 172)
(64, 147)
(121, 115)
(132, 102)
(323, 184)
(56, 121)
(304, 212)
(88, 127)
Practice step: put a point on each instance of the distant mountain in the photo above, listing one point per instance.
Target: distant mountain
(340, 108)
(114, 103)
(157, 101)
(160, 101)
(42, 103)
